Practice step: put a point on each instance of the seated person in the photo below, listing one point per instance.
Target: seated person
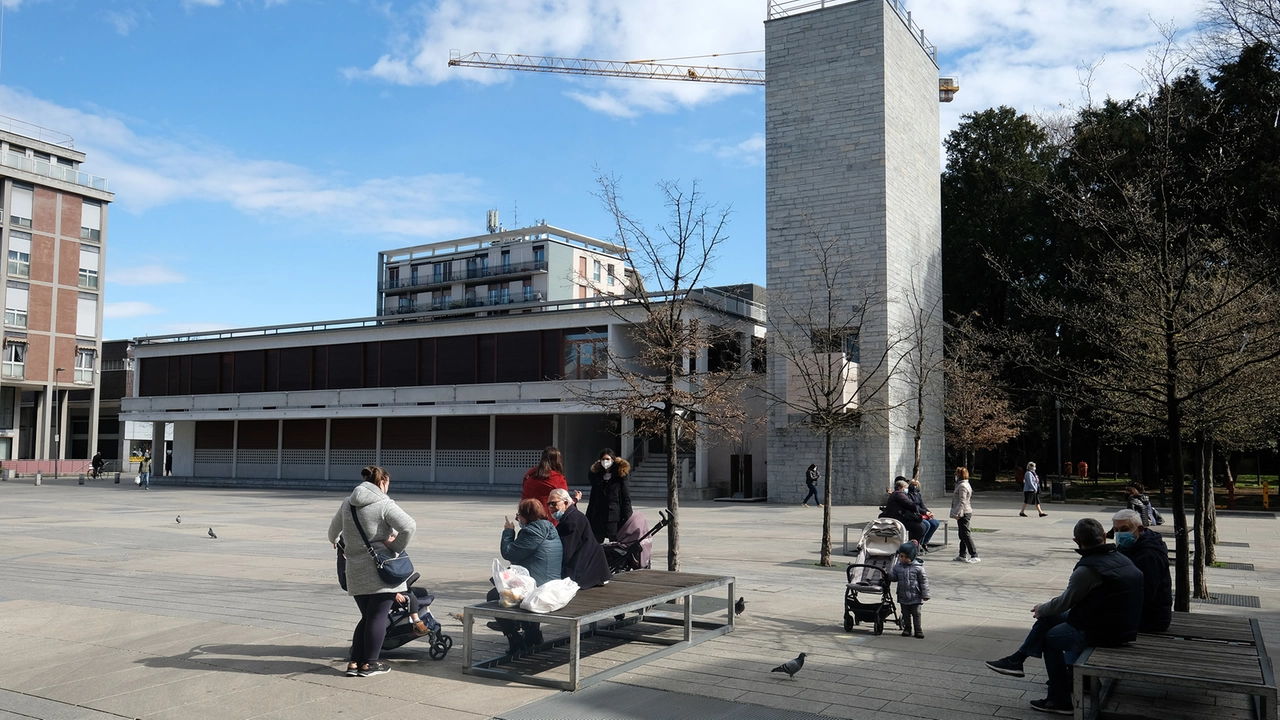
(1101, 607)
(931, 523)
(902, 508)
(1147, 550)
(413, 603)
(583, 559)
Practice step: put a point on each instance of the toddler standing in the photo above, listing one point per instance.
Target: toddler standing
(913, 587)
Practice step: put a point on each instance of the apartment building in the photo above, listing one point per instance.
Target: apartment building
(507, 270)
(54, 224)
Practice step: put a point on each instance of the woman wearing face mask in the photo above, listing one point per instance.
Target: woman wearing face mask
(583, 560)
(610, 504)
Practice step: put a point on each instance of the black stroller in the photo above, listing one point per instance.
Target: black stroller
(399, 628)
(869, 574)
(630, 551)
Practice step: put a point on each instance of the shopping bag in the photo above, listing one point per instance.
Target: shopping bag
(550, 596)
(513, 583)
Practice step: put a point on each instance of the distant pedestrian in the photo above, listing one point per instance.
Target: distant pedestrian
(96, 465)
(811, 477)
(962, 512)
(144, 470)
(1031, 490)
(913, 587)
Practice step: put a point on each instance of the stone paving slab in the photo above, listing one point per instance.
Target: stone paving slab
(113, 608)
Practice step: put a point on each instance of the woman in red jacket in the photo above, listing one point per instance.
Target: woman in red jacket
(547, 476)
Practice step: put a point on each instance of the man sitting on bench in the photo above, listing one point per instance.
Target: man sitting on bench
(1101, 606)
(1146, 549)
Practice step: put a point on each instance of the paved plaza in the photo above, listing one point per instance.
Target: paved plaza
(110, 608)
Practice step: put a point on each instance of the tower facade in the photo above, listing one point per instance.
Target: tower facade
(853, 164)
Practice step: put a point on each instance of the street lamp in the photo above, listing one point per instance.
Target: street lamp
(57, 421)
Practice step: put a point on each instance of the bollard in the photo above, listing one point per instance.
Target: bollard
(117, 478)
(37, 478)
(81, 478)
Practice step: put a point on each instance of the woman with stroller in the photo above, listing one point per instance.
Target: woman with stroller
(546, 476)
(902, 508)
(389, 530)
(536, 548)
(610, 504)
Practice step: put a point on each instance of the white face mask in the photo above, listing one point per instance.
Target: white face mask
(606, 463)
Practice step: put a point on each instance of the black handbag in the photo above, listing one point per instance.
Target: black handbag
(342, 562)
(393, 570)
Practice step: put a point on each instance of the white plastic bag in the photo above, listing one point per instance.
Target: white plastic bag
(513, 583)
(550, 596)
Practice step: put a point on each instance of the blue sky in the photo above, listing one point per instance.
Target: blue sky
(262, 151)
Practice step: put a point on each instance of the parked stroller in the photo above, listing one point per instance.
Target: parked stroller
(400, 629)
(868, 574)
(630, 550)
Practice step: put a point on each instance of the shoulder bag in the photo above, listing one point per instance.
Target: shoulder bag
(393, 569)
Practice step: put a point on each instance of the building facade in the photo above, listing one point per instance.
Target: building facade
(54, 223)
(853, 162)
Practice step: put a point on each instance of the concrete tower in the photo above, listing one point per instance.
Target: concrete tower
(852, 135)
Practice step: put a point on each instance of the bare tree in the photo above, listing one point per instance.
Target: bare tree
(979, 413)
(664, 387)
(922, 360)
(831, 388)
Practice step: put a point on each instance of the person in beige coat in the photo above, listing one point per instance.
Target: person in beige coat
(962, 512)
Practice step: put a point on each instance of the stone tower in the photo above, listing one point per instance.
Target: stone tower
(853, 157)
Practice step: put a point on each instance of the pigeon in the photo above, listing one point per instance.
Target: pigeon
(739, 606)
(791, 667)
(215, 537)
(179, 519)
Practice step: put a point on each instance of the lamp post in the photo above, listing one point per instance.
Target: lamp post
(57, 421)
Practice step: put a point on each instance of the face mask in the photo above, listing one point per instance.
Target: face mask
(1126, 539)
(557, 514)
(520, 523)
(606, 463)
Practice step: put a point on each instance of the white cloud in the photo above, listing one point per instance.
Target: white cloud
(128, 309)
(602, 29)
(145, 275)
(195, 326)
(748, 153)
(147, 171)
(123, 22)
(201, 3)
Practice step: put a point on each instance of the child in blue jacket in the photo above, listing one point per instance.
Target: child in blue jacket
(913, 587)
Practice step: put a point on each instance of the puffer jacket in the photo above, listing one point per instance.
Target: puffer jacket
(537, 549)
(609, 505)
(913, 584)
(960, 499)
(379, 516)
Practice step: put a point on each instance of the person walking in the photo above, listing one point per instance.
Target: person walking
(389, 530)
(609, 507)
(962, 513)
(1031, 490)
(811, 478)
(144, 470)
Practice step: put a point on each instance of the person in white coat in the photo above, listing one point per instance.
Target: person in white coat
(962, 513)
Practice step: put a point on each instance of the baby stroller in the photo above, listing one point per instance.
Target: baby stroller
(630, 550)
(400, 629)
(868, 574)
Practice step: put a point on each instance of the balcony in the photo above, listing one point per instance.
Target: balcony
(53, 170)
(431, 280)
(469, 303)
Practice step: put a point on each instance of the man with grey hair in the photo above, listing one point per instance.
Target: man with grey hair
(1101, 607)
(582, 560)
(1147, 551)
(902, 508)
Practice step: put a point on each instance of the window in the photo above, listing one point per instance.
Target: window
(15, 359)
(393, 277)
(582, 268)
(528, 290)
(584, 356)
(611, 276)
(84, 365)
(413, 275)
(20, 212)
(87, 315)
(595, 271)
(19, 254)
(91, 221)
(494, 295)
(477, 266)
(88, 267)
(506, 261)
(539, 254)
(8, 406)
(15, 305)
(504, 295)
(837, 340)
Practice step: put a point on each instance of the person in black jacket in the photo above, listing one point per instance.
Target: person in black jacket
(1101, 607)
(609, 506)
(1146, 549)
(583, 560)
(902, 508)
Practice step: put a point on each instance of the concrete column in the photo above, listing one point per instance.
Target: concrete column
(39, 448)
(279, 447)
(93, 410)
(628, 442)
(235, 445)
(493, 439)
(157, 449)
(555, 430)
(377, 443)
(62, 428)
(700, 455)
(328, 429)
(433, 448)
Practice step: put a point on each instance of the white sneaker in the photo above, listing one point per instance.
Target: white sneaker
(974, 560)
(961, 558)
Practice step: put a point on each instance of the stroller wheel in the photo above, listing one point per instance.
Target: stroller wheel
(848, 624)
(879, 627)
(448, 641)
(440, 647)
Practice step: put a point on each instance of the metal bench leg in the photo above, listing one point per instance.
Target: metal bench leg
(731, 602)
(688, 617)
(575, 655)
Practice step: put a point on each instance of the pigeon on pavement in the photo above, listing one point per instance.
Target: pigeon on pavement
(215, 537)
(179, 519)
(739, 606)
(791, 667)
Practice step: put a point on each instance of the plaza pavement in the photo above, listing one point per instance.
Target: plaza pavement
(109, 608)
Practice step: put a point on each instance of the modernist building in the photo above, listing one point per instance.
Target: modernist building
(54, 223)
(455, 399)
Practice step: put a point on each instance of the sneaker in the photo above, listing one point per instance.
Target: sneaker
(1007, 666)
(1044, 514)
(374, 669)
(974, 559)
(353, 670)
(1048, 706)
(960, 558)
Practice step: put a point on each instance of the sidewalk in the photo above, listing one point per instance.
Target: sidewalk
(110, 608)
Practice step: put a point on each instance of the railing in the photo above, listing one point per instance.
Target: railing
(19, 127)
(471, 302)
(786, 8)
(730, 303)
(460, 276)
(53, 170)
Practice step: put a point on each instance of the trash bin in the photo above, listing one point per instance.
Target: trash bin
(1058, 491)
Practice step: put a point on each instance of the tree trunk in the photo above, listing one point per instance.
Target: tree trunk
(1210, 511)
(1200, 582)
(673, 489)
(1177, 465)
(825, 559)
(919, 429)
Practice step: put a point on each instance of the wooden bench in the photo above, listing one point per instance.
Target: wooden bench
(1208, 652)
(595, 612)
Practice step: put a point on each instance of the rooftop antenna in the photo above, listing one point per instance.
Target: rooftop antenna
(515, 211)
(491, 221)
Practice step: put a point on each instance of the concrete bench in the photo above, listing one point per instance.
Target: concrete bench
(595, 612)
(1197, 651)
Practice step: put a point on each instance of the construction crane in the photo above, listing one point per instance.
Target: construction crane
(643, 69)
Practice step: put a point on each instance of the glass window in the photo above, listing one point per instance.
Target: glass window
(15, 358)
(611, 276)
(87, 315)
(84, 365)
(8, 403)
(20, 212)
(91, 221)
(506, 260)
(584, 356)
(595, 271)
(19, 254)
(539, 254)
(88, 267)
(15, 305)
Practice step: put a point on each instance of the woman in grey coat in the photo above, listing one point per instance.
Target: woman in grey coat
(389, 529)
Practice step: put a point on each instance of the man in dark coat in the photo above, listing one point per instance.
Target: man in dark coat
(1146, 549)
(902, 508)
(583, 559)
